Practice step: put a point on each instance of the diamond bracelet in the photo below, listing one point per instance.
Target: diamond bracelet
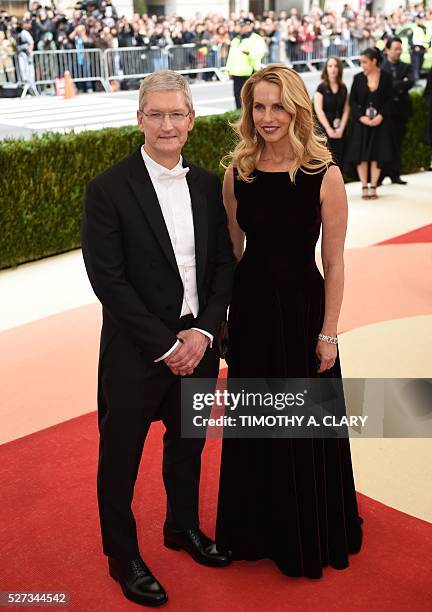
(329, 339)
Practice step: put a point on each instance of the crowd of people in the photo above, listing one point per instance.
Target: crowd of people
(288, 35)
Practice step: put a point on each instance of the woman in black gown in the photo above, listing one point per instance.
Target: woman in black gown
(290, 500)
(370, 140)
(332, 108)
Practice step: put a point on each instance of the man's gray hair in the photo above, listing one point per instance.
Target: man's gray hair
(164, 80)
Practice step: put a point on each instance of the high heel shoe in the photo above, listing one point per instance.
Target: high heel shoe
(365, 192)
(372, 192)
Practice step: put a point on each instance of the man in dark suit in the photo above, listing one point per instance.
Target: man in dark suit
(159, 258)
(403, 80)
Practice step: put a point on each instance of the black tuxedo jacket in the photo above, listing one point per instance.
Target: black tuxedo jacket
(401, 98)
(130, 260)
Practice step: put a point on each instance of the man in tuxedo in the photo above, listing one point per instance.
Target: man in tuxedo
(159, 258)
(403, 80)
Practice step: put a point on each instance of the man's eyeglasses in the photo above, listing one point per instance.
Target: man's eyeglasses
(158, 118)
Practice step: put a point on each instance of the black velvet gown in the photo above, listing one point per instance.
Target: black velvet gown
(290, 500)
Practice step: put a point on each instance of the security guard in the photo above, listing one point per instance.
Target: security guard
(420, 42)
(403, 80)
(245, 56)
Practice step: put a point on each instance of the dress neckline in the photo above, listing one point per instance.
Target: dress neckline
(378, 83)
(272, 171)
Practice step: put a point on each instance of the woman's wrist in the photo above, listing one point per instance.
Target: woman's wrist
(329, 339)
(329, 331)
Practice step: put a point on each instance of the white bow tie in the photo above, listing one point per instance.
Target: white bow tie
(175, 173)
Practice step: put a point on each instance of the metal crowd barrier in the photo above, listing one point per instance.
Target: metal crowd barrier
(9, 71)
(38, 71)
(312, 55)
(85, 66)
(16, 73)
(138, 62)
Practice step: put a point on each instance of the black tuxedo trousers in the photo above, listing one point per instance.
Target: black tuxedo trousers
(133, 393)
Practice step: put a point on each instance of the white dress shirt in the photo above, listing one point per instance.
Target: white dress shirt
(174, 199)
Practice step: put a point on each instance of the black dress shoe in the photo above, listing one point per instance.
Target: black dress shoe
(137, 582)
(397, 180)
(199, 546)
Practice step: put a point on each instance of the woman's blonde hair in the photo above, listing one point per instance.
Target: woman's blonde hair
(309, 147)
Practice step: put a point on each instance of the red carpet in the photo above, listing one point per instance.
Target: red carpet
(50, 539)
(421, 234)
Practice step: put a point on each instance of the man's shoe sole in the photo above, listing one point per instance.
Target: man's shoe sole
(209, 563)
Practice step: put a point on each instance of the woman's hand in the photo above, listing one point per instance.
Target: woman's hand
(376, 121)
(365, 120)
(326, 354)
(339, 132)
(331, 133)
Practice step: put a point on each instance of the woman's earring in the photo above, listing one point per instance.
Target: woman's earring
(255, 137)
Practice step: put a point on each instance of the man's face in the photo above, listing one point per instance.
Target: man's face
(394, 52)
(164, 139)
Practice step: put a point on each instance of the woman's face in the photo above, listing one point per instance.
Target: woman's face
(332, 69)
(366, 64)
(269, 116)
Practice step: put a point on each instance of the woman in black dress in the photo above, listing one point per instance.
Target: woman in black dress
(331, 106)
(370, 141)
(290, 500)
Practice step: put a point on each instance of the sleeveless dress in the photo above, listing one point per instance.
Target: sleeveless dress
(333, 107)
(289, 500)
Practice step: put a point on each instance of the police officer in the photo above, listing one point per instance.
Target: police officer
(246, 52)
(403, 80)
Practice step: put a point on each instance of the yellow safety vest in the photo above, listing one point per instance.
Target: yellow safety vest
(245, 55)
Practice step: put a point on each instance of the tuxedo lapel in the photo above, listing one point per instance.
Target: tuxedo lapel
(200, 220)
(146, 195)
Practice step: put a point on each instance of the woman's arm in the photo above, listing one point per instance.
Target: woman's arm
(334, 213)
(236, 234)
